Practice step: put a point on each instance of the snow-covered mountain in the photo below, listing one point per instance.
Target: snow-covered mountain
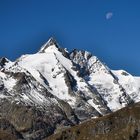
(69, 87)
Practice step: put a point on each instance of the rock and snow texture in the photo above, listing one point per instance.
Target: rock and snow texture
(100, 77)
(55, 77)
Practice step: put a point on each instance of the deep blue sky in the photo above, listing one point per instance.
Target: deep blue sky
(27, 24)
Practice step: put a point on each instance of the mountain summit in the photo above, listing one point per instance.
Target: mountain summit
(44, 92)
(50, 42)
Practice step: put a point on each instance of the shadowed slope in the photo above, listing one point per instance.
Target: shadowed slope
(121, 125)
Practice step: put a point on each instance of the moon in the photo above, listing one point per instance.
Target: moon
(109, 15)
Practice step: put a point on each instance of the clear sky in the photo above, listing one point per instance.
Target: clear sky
(110, 29)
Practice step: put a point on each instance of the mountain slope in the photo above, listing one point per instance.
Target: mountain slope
(56, 73)
(60, 89)
(121, 125)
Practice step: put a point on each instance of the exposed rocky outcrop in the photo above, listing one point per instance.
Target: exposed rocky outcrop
(8, 131)
(31, 122)
(3, 62)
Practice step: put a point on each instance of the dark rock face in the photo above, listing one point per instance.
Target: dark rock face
(8, 131)
(28, 122)
(121, 125)
(3, 61)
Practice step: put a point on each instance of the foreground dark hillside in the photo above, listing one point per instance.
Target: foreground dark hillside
(121, 125)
